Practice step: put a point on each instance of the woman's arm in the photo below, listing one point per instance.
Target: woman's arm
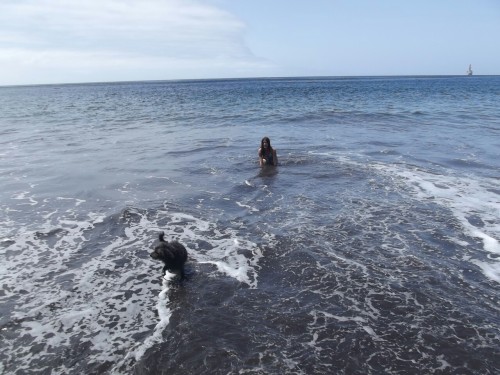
(261, 159)
(275, 157)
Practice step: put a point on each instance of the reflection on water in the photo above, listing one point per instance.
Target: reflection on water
(268, 171)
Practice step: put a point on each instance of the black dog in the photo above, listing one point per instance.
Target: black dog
(173, 254)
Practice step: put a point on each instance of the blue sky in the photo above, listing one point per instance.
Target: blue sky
(55, 41)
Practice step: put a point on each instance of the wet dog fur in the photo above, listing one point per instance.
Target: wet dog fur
(172, 254)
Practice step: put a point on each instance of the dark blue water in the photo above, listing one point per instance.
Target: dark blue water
(372, 248)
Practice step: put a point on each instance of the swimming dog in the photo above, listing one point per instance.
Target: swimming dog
(172, 254)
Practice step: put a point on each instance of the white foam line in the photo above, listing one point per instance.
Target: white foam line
(372, 333)
(357, 319)
(444, 364)
(23, 196)
(490, 243)
(224, 253)
(466, 197)
(314, 340)
(164, 314)
(490, 270)
(239, 273)
(252, 209)
(78, 201)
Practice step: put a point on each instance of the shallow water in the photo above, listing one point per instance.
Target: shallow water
(372, 248)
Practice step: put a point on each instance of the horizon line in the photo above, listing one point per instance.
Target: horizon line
(250, 78)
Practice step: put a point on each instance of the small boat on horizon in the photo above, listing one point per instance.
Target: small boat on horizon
(469, 72)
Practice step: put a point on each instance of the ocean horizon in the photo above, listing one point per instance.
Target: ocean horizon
(320, 77)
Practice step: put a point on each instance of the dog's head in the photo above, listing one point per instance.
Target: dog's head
(156, 254)
(159, 249)
(172, 254)
(162, 252)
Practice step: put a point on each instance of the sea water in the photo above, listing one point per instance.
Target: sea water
(372, 248)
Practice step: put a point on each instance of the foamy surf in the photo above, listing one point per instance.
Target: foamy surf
(101, 295)
(474, 203)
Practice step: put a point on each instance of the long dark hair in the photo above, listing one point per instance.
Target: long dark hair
(265, 139)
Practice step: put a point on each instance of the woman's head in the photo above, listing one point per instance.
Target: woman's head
(265, 143)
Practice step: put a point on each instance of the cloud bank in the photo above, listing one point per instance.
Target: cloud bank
(55, 41)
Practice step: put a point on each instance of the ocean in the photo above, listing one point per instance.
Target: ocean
(372, 248)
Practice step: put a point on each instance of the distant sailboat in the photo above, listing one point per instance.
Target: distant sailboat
(469, 72)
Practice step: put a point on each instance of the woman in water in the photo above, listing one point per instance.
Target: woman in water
(267, 154)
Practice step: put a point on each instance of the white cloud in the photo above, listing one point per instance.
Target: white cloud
(70, 41)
